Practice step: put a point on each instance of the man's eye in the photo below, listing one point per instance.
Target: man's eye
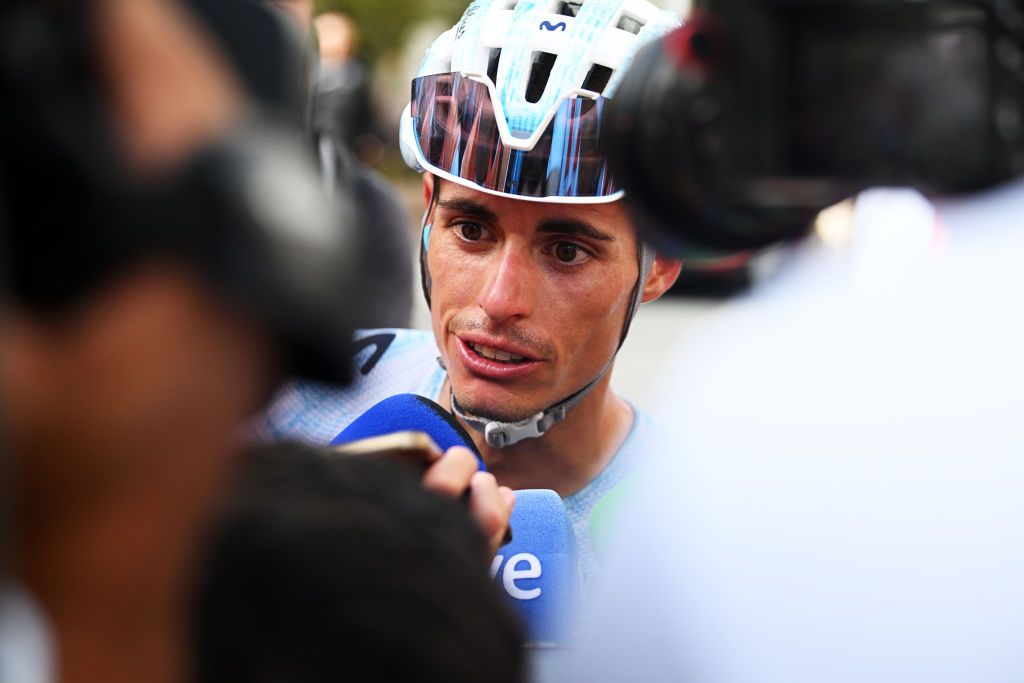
(470, 231)
(571, 254)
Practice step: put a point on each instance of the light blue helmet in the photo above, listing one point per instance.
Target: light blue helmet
(508, 102)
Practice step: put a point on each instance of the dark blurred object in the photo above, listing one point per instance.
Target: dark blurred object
(165, 249)
(270, 54)
(383, 227)
(350, 141)
(344, 102)
(328, 568)
(276, 63)
(715, 279)
(736, 130)
(300, 11)
(246, 212)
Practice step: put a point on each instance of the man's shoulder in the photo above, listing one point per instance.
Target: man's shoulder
(381, 352)
(588, 508)
(385, 362)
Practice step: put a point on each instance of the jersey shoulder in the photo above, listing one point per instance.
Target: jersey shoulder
(634, 451)
(386, 362)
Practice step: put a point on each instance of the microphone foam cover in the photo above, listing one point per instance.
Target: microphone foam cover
(409, 412)
(539, 569)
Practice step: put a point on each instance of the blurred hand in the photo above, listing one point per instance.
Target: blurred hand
(456, 474)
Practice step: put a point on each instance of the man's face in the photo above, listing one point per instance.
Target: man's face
(153, 357)
(528, 299)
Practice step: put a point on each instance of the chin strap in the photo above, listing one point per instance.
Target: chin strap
(503, 434)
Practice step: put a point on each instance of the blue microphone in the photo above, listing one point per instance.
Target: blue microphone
(409, 412)
(539, 570)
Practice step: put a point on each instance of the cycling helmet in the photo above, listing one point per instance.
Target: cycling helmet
(509, 102)
(528, 80)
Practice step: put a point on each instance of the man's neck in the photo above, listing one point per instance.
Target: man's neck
(569, 455)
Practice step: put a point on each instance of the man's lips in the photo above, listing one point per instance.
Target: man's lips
(496, 349)
(510, 362)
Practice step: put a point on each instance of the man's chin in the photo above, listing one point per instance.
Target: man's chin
(493, 413)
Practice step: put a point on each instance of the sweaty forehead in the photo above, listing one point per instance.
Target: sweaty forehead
(610, 219)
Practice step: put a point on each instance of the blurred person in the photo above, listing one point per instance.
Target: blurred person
(528, 256)
(125, 373)
(387, 239)
(152, 309)
(325, 567)
(384, 225)
(344, 102)
(350, 141)
(840, 498)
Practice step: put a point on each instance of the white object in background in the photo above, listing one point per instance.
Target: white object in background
(26, 652)
(841, 497)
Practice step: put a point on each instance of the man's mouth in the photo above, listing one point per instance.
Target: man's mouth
(498, 355)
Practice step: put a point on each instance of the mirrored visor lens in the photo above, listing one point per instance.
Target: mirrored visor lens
(457, 133)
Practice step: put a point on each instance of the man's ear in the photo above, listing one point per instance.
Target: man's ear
(428, 188)
(663, 275)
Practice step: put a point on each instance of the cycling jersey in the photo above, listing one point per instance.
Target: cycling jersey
(392, 361)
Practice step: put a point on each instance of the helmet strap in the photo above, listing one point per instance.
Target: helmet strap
(425, 225)
(645, 257)
(504, 434)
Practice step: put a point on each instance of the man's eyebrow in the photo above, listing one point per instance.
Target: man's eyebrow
(571, 226)
(468, 206)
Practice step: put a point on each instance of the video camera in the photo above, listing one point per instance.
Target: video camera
(247, 212)
(733, 132)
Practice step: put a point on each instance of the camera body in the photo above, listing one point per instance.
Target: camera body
(732, 133)
(247, 212)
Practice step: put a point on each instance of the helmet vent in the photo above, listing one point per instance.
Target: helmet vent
(492, 64)
(597, 79)
(543, 62)
(630, 24)
(569, 9)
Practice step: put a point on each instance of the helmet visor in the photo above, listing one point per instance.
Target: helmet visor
(458, 135)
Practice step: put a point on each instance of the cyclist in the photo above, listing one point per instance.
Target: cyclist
(529, 259)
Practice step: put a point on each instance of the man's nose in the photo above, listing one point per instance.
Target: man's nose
(507, 292)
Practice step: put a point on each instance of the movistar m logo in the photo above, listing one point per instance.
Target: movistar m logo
(548, 26)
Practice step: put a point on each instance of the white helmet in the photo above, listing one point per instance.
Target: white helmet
(509, 102)
(530, 75)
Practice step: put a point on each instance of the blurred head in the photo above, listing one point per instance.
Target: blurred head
(151, 354)
(530, 263)
(338, 37)
(325, 568)
(151, 302)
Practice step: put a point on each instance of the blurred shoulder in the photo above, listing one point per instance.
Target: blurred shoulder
(386, 362)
